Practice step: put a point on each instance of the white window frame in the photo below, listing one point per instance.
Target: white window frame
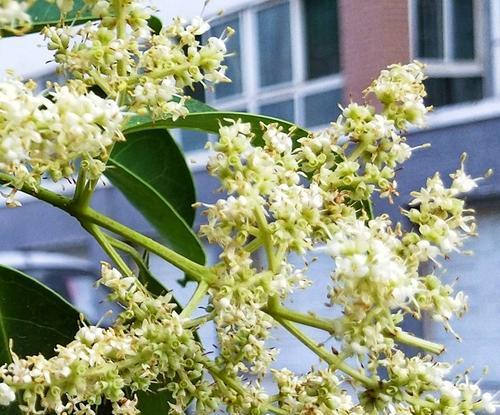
(253, 95)
(448, 67)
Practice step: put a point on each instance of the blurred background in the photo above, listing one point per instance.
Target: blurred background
(296, 60)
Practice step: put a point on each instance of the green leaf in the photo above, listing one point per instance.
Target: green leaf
(34, 317)
(150, 170)
(209, 121)
(44, 13)
(155, 24)
(155, 401)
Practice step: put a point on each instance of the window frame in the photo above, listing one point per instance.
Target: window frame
(253, 96)
(448, 67)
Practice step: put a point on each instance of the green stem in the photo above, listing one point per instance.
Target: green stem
(237, 386)
(195, 300)
(81, 182)
(103, 240)
(265, 235)
(333, 360)
(332, 326)
(253, 245)
(414, 341)
(198, 321)
(87, 214)
(357, 152)
(328, 325)
(129, 250)
(197, 271)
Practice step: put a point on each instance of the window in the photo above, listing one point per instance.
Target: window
(282, 64)
(478, 277)
(192, 140)
(275, 45)
(322, 38)
(446, 36)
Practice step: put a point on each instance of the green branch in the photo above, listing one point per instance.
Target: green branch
(265, 236)
(89, 215)
(236, 386)
(333, 326)
(195, 300)
(103, 241)
(334, 361)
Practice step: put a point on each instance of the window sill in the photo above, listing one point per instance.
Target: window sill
(463, 113)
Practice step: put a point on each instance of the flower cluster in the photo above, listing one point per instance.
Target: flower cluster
(361, 150)
(287, 193)
(147, 345)
(13, 16)
(309, 196)
(425, 378)
(45, 134)
(318, 392)
(149, 71)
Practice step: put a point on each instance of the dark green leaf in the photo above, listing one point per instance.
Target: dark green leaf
(154, 402)
(150, 170)
(155, 24)
(209, 121)
(44, 13)
(34, 317)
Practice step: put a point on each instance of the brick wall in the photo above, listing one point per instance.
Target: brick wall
(375, 33)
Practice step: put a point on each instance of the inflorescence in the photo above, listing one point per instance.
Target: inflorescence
(285, 193)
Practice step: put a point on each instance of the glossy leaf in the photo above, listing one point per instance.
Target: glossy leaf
(44, 13)
(34, 317)
(150, 170)
(209, 121)
(155, 24)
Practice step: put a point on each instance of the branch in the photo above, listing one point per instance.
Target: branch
(195, 300)
(87, 214)
(237, 386)
(333, 360)
(332, 326)
(103, 241)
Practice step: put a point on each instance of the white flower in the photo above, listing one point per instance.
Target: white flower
(462, 182)
(7, 394)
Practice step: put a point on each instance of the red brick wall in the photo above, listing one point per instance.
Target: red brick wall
(374, 34)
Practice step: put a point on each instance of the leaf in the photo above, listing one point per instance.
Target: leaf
(155, 401)
(44, 13)
(150, 170)
(155, 24)
(209, 121)
(34, 317)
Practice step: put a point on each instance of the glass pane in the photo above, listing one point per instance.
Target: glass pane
(463, 29)
(283, 110)
(478, 278)
(322, 108)
(274, 45)
(446, 91)
(430, 28)
(233, 62)
(194, 140)
(322, 38)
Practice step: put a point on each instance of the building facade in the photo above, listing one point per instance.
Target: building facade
(296, 60)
